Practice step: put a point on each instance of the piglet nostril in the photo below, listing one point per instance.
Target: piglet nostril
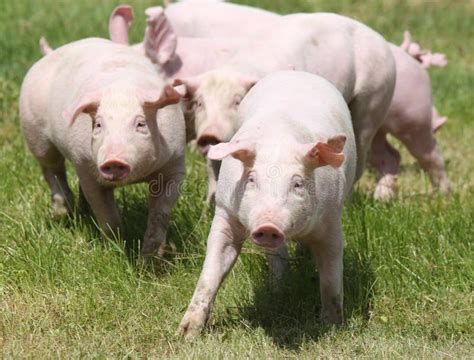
(114, 170)
(268, 235)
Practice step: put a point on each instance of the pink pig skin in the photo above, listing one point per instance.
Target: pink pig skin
(103, 106)
(411, 119)
(306, 42)
(188, 19)
(172, 55)
(285, 175)
(411, 106)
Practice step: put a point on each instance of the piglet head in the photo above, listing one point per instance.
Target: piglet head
(124, 129)
(215, 97)
(276, 195)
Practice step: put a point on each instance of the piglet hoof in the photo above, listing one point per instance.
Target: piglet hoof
(384, 191)
(445, 188)
(192, 324)
(332, 318)
(60, 210)
(153, 247)
(152, 256)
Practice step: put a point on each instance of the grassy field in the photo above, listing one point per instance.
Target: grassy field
(65, 292)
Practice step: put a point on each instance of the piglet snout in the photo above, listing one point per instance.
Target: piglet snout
(114, 170)
(205, 141)
(268, 235)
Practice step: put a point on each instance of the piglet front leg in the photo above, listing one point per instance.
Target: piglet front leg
(223, 247)
(102, 202)
(327, 249)
(164, 191)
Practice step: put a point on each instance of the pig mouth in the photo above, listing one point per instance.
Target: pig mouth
(205, 141)
(268, 236)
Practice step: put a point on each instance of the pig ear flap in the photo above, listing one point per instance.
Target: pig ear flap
(242, 150)
(119, 22)
(322, 154)
(86, 104)
(160, 38)
(189, 84)
(159, 98)
(247, 81)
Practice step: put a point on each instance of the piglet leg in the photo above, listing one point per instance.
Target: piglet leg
(277, 262)
(161, 200)
(223, 247)
(386, 160)
(102, 203)
(61, 195)
(422, 145)
(327, 251)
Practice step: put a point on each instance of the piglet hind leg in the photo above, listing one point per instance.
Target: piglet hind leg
(327, 249)
(386, 160)
(223, 247)
(54, 172)
(368, 111)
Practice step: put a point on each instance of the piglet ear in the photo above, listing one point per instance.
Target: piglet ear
(242, 150)
(158, 97)
(322, 154)
(190, 85)
(160, 38)
(119, 22)
(86, 104)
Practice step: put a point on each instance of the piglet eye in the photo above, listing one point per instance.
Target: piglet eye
(140, 123)
(97, 124)
(251, 177)
(297, 182)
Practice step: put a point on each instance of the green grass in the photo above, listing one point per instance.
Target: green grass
(65, 292)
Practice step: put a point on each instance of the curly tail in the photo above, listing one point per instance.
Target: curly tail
(44, 46)
(425, 57)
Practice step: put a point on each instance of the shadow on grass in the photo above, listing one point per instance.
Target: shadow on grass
(291, 314)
